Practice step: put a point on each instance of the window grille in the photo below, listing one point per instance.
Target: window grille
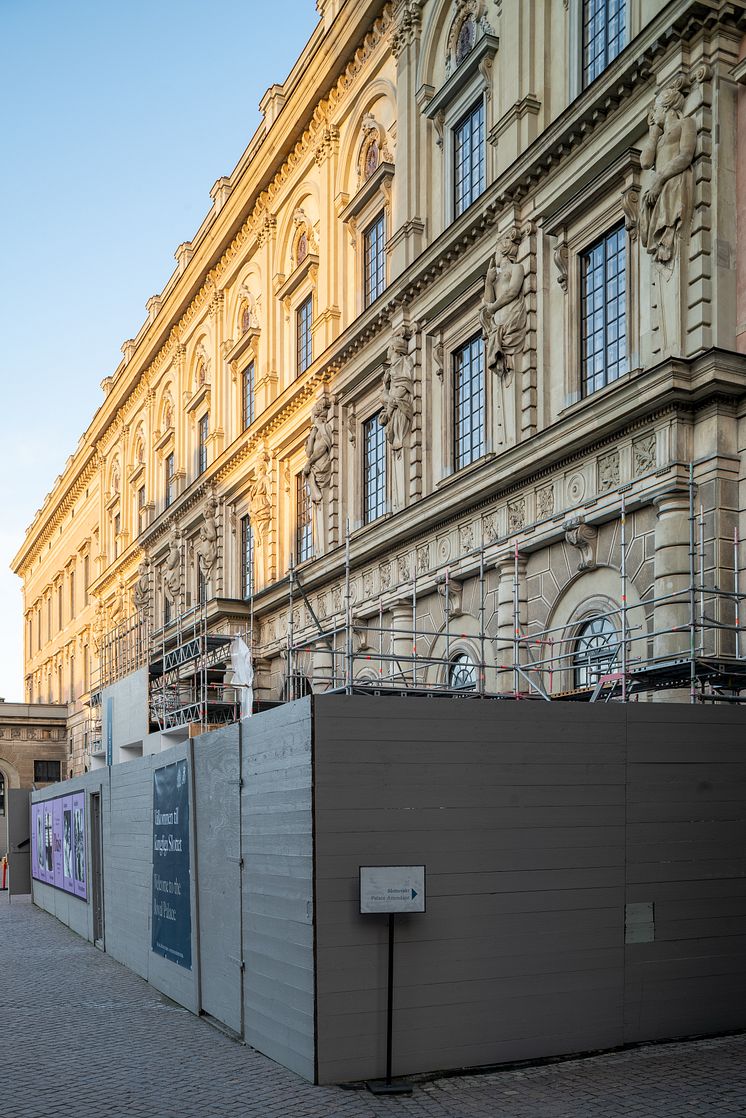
(374, 260)
(247, 395)
(468, 400)
(469, 160)
(247, 558)
(374, 469)
(303, 521)
(603, 308)
(303, 347)
(604, 33)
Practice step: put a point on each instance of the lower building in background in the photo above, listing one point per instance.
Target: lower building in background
(34, 751)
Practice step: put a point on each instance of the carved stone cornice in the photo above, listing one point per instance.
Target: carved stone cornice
(407, 25)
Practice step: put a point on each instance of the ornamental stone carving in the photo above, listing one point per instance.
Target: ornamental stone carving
(206, 548)
(318, 468)
(374, 148)
(668, 153)
(406, 25)
(141, 589)
(585, 538)
(260, 497)
(469, 24)
(397, 401)
(503, 313)
(172, 571)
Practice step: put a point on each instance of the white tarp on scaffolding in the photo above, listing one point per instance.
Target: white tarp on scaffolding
(243, 674)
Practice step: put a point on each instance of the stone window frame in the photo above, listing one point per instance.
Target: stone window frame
(609, 198)
(294, 292)
(243, 354)
(449, 337)
(574, 52)
(374, 414)
(470, 83)
(372, 199)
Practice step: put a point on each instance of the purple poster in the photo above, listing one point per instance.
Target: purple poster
(67, 845)
(37, 841)
(57, 841)
(79, 858)
(48, 843)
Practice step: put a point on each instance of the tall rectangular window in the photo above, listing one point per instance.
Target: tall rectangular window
(374, 469)
(247, 558)
(86, 578)
(603, 282)
(468, 403)
(204, 431)
(374, 260)
(117, 531)
(247, 395)
(169, 470)
(604, 34)
(468, 155)
(303, 349)
(72, 595)
(60, 619)
(201, 586)
(303, 521)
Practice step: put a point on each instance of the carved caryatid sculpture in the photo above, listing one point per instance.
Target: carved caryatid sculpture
(260, 497)
(318, 468)
(503, 312)
(397, 402)
(668, 152)
(141, 590)
(172, 571)
(206, 548)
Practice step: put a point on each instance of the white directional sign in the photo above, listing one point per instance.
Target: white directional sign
(392, 888)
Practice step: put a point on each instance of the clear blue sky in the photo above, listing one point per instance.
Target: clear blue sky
(116, 120)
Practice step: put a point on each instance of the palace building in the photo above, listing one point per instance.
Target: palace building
(447, 392)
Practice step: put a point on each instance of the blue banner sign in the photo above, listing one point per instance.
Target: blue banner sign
(172, 908)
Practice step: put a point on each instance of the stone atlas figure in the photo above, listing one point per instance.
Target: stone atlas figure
(206, 548)
(260, 497)
(172, 571)
(141, 591)
(397, 410)
(318, 468)
(668, 152)
(503, 312)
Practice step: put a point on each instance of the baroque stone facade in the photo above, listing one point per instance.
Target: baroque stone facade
(375, 271)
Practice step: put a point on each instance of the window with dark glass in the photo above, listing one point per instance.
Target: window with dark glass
(2, 794)
(469, 159)
(117, 531)
(596, 650)
(374, 469)
(247, 558)
(303, 334)
(204, 430)
(303, 521)
(603, 308)
(72, 595)
(247, 395)
(201, 586)
(170, 470)
(46, 772)
(468, 403)
(374, 260)
(59, 588)
(462, 672)
(604, 33)
(166, 611)
(86, 578)
(141, 498)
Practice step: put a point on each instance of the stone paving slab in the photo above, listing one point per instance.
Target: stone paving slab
(82, 1037)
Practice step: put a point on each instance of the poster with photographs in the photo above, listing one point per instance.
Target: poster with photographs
(67, 845)
(58, 850)
(48, 843)
(79, 867)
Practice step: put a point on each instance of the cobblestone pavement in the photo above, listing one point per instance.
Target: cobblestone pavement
(81, 1036)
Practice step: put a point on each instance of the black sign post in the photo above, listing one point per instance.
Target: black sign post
(391, 889)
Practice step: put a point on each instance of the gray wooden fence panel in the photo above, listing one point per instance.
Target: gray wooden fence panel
(277, 842)
(521, 950)
(218, 814)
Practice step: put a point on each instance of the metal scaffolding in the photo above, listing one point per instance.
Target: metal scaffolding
(543, 663)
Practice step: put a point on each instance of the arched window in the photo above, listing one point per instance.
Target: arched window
(596, 650)
(462, 672)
